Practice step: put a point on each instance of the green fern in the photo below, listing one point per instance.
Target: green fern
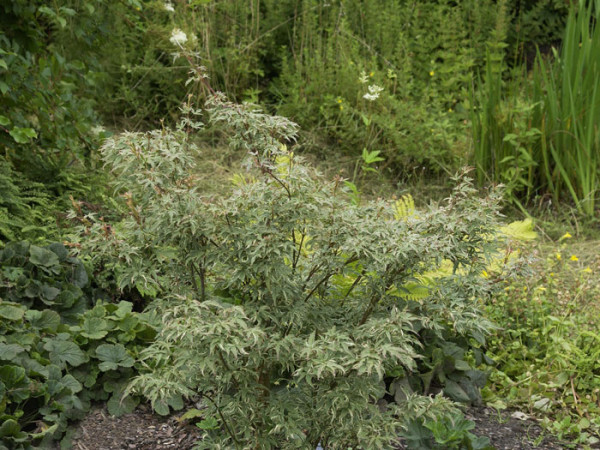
(25, 207)
(521, 230)
(404, 207)
(12, 206)
(412, 291)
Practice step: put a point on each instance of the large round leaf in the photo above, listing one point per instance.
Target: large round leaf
(42, 257)
(46, 320)
(59, 249)
(113, 356)
(10, 428)
(94, 328)
(11, 312)
(8, 352)
(119, 405)
(12, 376)
(80, 276)
(64, 352)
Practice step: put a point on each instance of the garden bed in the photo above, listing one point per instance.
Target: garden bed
(142, 430)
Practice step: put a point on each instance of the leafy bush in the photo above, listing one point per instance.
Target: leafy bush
(56, 355)
(285, 305)
(47, 78)
(48, 125)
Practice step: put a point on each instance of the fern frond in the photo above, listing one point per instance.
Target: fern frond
(25, 206)
(521, 230)
(404, 207)
(411, 291)
(239, 180)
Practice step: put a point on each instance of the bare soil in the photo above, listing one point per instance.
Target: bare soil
(142, 430)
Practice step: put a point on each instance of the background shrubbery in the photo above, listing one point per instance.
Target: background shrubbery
(312, 62)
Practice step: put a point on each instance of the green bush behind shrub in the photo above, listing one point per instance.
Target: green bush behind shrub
(538, 134)
(304, 59)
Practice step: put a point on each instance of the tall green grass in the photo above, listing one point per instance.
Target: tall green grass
(545, 140)
(568, 111)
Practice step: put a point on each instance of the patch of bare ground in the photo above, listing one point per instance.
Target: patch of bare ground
(142, 430)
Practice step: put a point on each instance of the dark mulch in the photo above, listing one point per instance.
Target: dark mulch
(143, 430)
(508, 431)
(140, 430)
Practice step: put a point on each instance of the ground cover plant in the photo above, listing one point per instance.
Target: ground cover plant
(548, 343)
(57, 353)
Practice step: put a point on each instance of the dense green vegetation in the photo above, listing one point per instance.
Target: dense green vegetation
(540, 136)
(163, 235)
(549, 349)
(58, 352)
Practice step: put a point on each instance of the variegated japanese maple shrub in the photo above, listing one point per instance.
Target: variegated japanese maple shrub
(284, 304)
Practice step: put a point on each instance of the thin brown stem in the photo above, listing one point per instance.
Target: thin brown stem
(193, 277)
(295, 262)
(313, 290)
(368, 311)
(289, 193)
(237, 443)
(294, 251)
(358, 278)
(310, 274)
(202, 274)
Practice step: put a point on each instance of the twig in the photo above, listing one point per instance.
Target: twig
(223, 419)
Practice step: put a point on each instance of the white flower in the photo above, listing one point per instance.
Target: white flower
(178, 37)
(373, 93)
(364, 78)
(97, 130)
(169, 7)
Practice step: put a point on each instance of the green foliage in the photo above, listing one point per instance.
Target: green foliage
(279, 302)
(144, 79)
(450, 431)
(41, 277)
(20, 206)
(34, 211)
(504, 136)
(46, 81)
(548, 345)
(568, 116)
(48, 132)
(314, 62)
(404, 207)
(425, 53)
(540, 137)
(56, 355)
(302, 58)
(537, 22)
